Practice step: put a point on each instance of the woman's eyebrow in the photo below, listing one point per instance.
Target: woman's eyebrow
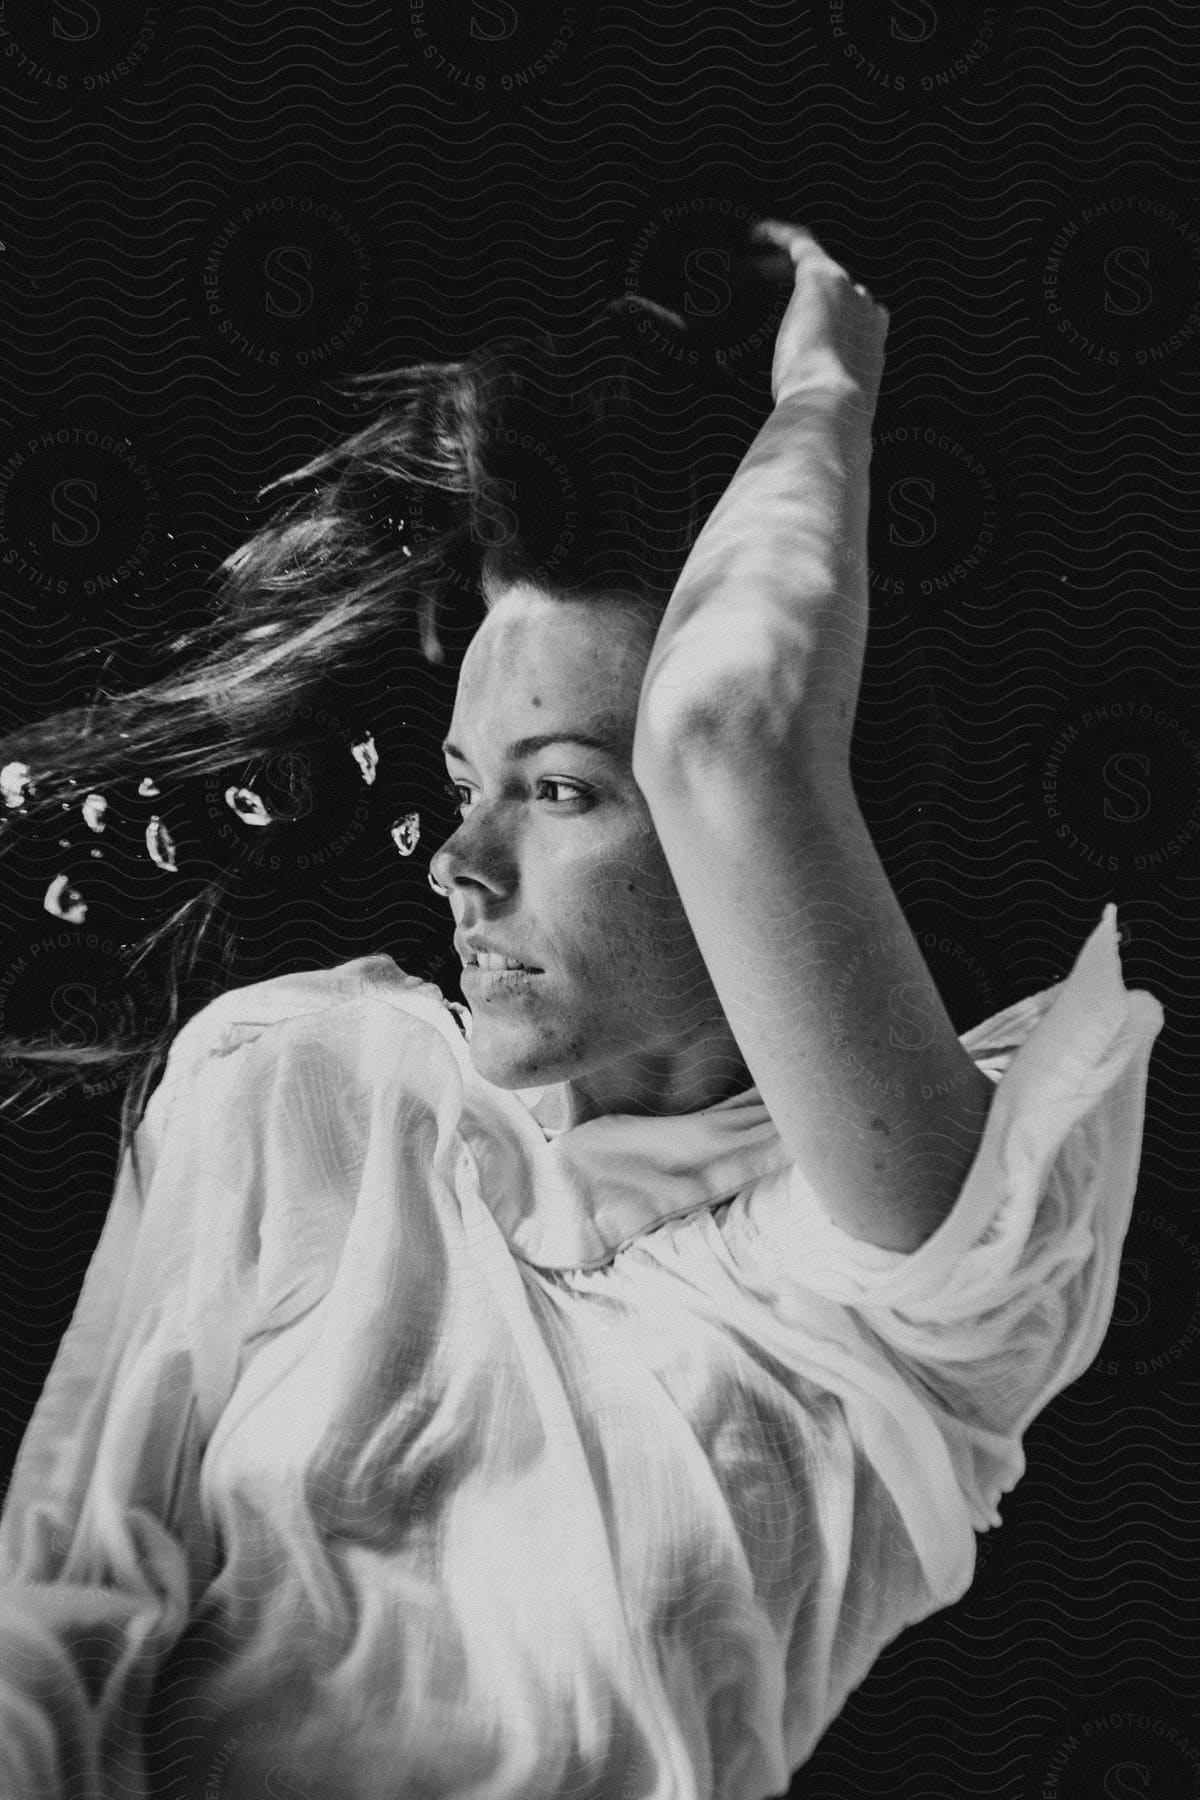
(609, 739)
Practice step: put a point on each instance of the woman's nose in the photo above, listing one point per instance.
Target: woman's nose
(467, 856)
(441, 868)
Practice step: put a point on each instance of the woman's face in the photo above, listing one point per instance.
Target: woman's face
(557, 862)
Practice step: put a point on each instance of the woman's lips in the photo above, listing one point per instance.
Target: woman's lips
(497, 981)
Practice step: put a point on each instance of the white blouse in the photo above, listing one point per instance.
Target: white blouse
(446, 1455)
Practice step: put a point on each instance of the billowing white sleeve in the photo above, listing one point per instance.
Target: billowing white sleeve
(102, 1547)
(105, 1546)
(1009, 1300)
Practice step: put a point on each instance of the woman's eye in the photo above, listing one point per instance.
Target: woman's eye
(579, 793)
(460, 793)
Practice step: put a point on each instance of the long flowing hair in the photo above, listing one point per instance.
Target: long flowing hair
(531, 458)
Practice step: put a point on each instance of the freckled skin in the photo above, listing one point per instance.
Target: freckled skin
(625, 1013)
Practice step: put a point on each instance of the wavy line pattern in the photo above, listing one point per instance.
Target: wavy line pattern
(212, 214)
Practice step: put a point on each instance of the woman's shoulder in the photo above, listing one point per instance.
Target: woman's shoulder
(242, 1015)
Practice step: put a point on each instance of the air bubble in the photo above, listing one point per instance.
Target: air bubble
(247, 805)
(161, 845)
(406, 833)
(14, 781)
(367, 758)
(65, 901)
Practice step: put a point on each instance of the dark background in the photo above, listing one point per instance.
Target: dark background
(212, 213)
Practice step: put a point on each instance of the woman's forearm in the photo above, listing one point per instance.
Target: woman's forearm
(776, 583)
(767, 625)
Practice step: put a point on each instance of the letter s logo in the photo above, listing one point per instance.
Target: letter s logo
(84, 16)
(1135, 795)
(74, 1005)
(705, 270)
(1136, 293)
(912, 1024)
(494, 523)
(288, 266)
(501, 14)
(83, 522)
(1127, 1781)
(922, 21)
(920, 524)
(292, 769)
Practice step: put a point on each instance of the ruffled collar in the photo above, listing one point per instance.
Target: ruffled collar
(570, 1197)
(600, 1183)
(565, 1198)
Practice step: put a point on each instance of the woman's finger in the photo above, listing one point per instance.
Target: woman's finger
(792, 238)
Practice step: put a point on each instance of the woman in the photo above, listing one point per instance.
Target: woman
(580, 1408)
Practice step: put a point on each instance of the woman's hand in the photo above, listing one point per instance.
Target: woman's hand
(832, 335)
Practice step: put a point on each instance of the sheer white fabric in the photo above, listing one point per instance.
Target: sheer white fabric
(449, 1456)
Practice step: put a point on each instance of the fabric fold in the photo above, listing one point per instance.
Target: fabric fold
(393, 1431)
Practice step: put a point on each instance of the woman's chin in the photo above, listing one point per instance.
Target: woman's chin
(494, 1063)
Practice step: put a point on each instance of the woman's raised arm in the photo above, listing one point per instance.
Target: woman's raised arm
(742, 751)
